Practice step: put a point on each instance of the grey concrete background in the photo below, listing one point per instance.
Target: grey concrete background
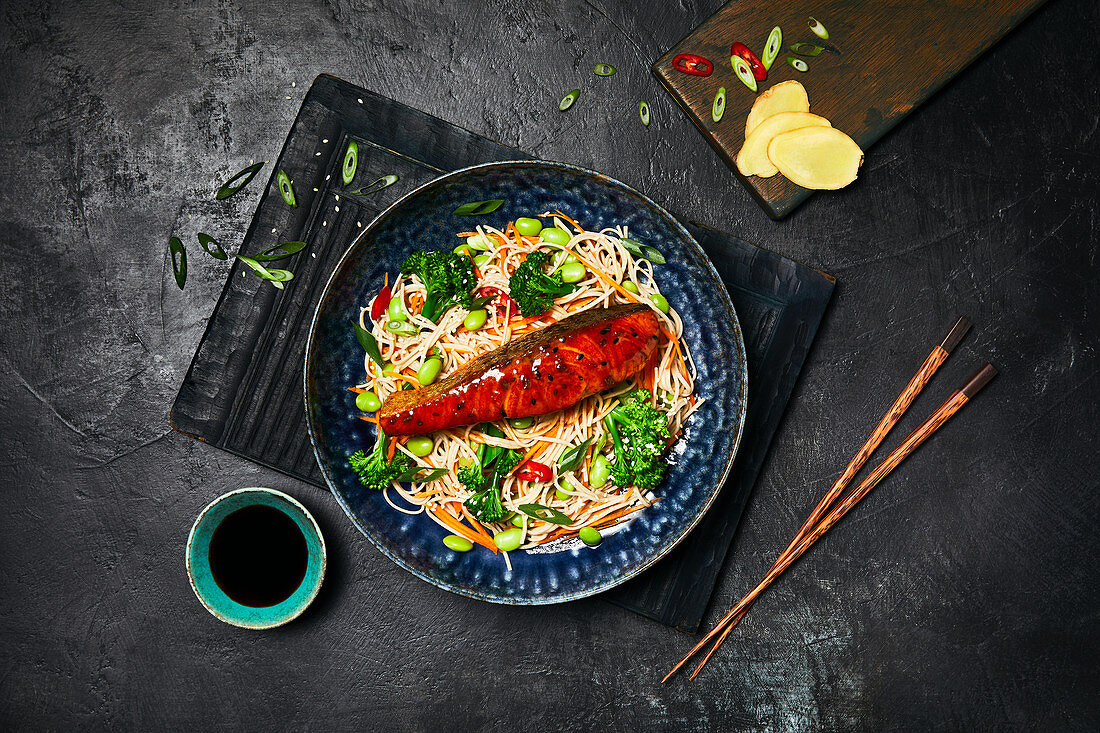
(961, 595)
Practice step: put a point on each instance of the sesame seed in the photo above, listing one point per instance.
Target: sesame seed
(293, 83)
(360, 101)
(318, 154)
(324, 223)
(337, 208)
(325, 140)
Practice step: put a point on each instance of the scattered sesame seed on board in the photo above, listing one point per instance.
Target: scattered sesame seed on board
(360, 101)
(325, 140)
(337, 208)
(324, 223)
(293, 83)
(318, 154)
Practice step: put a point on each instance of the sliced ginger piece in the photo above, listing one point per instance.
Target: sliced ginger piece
(816, 157)
(787, 96)
(753, 159)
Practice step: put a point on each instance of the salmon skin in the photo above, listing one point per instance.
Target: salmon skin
(545, 371)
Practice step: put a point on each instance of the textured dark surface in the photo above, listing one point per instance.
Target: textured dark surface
(961, 594)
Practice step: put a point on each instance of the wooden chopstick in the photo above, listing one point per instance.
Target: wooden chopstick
(931, 363)
(915, 439)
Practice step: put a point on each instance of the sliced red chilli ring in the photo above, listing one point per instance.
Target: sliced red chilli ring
(758, 71)
(690, 63)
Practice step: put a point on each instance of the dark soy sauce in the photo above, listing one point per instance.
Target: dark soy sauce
(258, 556)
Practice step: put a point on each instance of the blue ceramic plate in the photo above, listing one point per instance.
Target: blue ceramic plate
(424, 219)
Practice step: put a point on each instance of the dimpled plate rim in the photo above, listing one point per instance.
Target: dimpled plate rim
(686, 239)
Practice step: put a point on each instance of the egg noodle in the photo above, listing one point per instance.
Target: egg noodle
(671, 382)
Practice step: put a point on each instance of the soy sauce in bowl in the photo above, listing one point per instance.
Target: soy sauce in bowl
(258, 556)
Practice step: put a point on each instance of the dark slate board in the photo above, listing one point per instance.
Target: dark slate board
(242, 392)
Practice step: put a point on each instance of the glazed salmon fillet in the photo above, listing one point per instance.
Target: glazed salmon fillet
(542, 372)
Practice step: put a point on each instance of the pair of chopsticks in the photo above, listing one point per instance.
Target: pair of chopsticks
(825, 515)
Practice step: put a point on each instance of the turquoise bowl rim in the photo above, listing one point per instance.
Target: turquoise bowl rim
(477, 593)
(214, 599)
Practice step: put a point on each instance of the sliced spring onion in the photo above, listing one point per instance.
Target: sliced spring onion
(413, 475)
(644, 251)
(818, 30)
(383, 182)
(772, 47)
(276, 277)
(401, 329)
(718, 108)
(545, 514)
(228, 188)
(643, 112)
(568, 100)
(798, 64)
(807, 49)
(206, 242)
(744, 72)
(285, 189)
(370, 345)
(179, 261)
(604, 69)
(572, 458)
(477, 208)
(351, 162)
(279, 251)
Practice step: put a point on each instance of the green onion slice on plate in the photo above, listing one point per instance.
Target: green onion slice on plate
(179, 260)
(279, 251)
(383, 182)
(744, 72)
(818, 29)
(231, 186)
(807, 49)
(604, 69)
(568, 100)
(477, 208)
(351, 162)
(643, 112)
(545, 514)
(369, 343)
(771, 47)
(285, 189)
(798, 64)
(718, 108)
(571, 459)
(212, 247)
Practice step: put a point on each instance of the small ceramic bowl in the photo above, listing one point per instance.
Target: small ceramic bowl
(215, 599)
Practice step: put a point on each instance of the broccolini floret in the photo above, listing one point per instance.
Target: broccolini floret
(640, 433)
(374, 471)
(532, 289)
(448, 278)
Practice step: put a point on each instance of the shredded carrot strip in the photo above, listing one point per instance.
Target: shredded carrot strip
(530, 455)
(386, 280)
(460, 529)
(576, 226)
(411, 380)
(356, 390)
(476, 525)
(391, 448)
(467, 234)
(369, 419)
(415, 302)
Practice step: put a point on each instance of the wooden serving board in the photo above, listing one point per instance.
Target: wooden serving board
(882, 59)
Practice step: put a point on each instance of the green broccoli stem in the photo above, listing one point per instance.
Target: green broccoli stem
(609, 423)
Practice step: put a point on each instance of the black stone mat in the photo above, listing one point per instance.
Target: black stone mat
(243, 390)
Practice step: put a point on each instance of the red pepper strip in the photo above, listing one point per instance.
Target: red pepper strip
(378, 307)
(689, 63)
(502, 299)
(534, 471)
(758, 71)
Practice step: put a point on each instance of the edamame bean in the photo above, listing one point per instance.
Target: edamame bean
(420, 446)
(527, 226)
(522, 423)
(429, 370)
(553, 235)
(475, 319)
(565, 491)
(518, 520)
(630, 286)
(599, 472)
(395, 311)
(389, 369)
(368, 401)
(659, 300)
(458, 543)
(573, 272)
(590, 536)
(508, 539)
(464, 249)
(480, 242)
(482, 260)
(561, 495)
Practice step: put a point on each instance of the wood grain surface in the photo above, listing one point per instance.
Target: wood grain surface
(960, 594)
(881, 60)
